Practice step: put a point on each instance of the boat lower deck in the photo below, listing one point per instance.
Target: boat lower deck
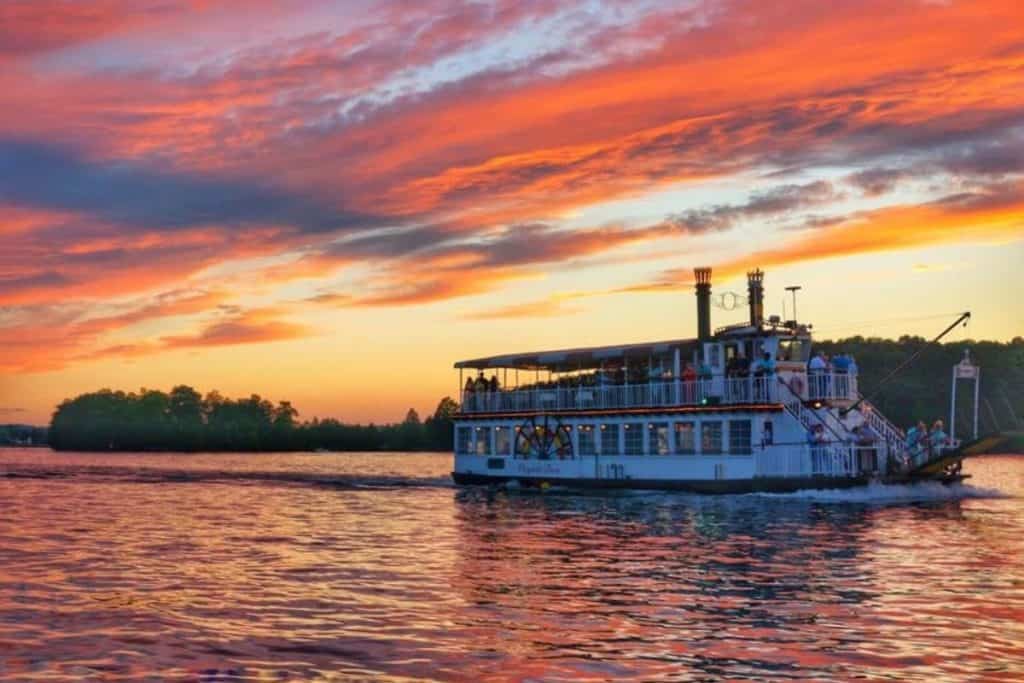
(712, 486)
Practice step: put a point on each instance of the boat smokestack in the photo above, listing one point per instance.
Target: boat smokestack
(755, 295)
(703, 278)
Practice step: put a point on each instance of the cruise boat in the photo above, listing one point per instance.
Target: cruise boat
(737, 409)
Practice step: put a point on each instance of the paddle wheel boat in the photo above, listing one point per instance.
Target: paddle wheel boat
(738, 409)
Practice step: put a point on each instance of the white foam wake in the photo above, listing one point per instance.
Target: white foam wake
(883, 494)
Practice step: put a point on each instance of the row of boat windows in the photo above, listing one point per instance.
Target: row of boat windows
(685, 437)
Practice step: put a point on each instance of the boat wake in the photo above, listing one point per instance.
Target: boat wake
(160, 475)
(890, 494)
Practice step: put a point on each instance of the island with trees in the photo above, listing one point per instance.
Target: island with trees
(185, 420)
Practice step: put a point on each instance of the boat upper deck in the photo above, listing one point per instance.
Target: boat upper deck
(562, 395)
(755, 362)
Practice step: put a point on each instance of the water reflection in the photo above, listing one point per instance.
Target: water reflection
(713, 586)
(264, 570)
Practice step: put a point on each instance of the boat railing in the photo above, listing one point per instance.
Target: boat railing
(820, 460)
(658, 393)
(831, 386)
(881, 424)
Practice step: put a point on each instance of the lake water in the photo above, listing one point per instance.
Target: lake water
(287, 567)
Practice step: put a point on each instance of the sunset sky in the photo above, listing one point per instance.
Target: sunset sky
(331, 202)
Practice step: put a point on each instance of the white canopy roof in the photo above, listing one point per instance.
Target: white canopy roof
(563, 360)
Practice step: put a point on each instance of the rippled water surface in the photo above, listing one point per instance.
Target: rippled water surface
(359, 566)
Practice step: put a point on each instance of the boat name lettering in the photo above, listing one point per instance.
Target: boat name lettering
(523, 468)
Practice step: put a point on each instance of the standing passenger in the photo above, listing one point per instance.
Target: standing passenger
(938, 437)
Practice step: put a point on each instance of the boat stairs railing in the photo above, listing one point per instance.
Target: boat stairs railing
(807, 417)
(753, 389)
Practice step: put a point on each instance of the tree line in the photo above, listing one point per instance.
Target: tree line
(22, 435)
(922, 390)
(184, 420)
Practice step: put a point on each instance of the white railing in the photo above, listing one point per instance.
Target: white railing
(742, 390)
(831, 460)
(819, 460)
(784, 462)
(831, 386)
(881, 424)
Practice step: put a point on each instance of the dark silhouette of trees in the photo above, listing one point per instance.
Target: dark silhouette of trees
(184, 420)
(922, 391)
(22, 435)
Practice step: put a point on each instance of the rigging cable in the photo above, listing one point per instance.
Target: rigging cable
(963, 317)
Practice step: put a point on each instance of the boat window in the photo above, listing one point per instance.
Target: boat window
(502, 440)
(587, 443)
(711, 438)
(657, 438)
(463, 438)
(634, 435)
(685, 442)
(739, 437)
(610, 439)
(522, 444)
(795, 350)
(483, 440)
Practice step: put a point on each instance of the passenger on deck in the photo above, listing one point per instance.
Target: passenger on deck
(841, 363)
(689, 377)
(853, 365)
(865, 440)
(492, 384)
(816, 441)
(917, 440)
(480, 391)
(937, 438)
(703, 371)
(764, 371)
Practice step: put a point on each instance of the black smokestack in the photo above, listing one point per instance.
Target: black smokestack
(755, 294)
(703, 277)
